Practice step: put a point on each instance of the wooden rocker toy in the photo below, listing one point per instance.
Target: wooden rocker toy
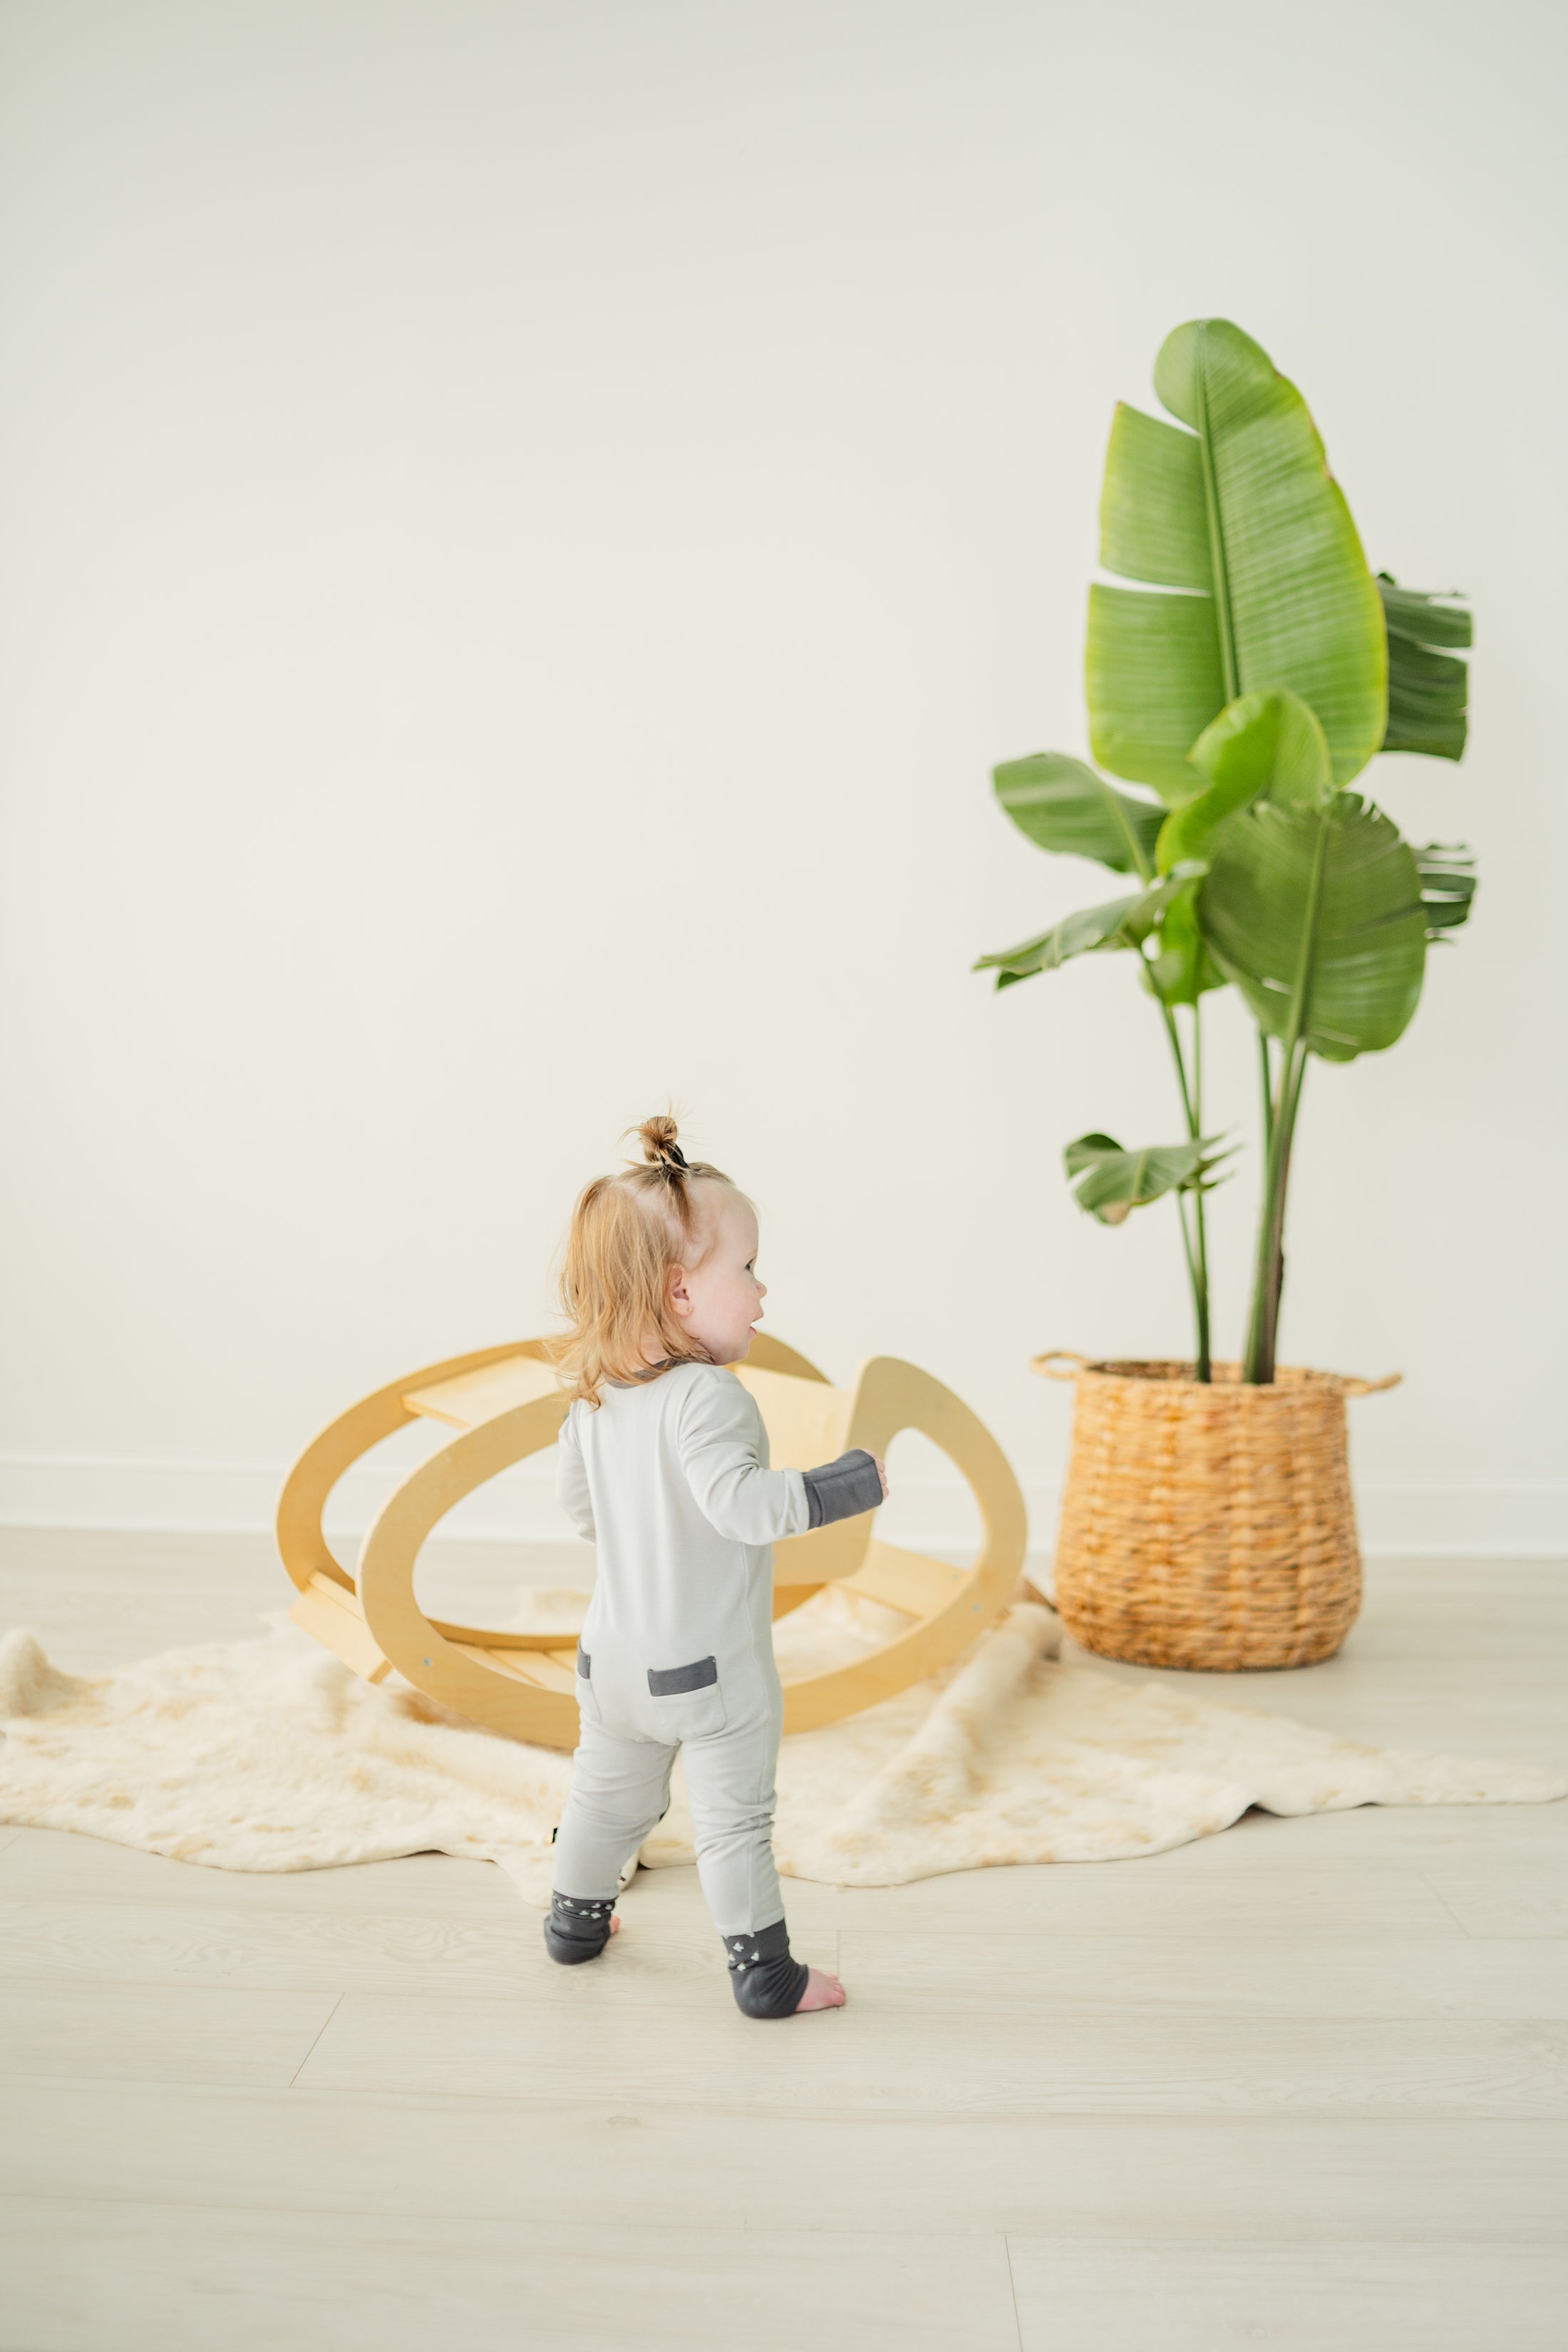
(504, 1403)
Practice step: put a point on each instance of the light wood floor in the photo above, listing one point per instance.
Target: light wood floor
(1304, 2084)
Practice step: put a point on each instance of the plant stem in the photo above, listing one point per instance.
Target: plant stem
(1268, 1076)
(1174, 1033)
(1204, 1368)
(1266, 1278)
(1292, 1096)
(1197, 1264)
(1200, 1304)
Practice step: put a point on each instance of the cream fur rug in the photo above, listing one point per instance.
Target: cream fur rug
(269, 1755)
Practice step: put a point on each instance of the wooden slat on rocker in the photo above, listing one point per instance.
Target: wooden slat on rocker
(503, 1404)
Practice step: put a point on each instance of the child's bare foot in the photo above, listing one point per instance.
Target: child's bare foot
(821, 1992)
(615, 1922)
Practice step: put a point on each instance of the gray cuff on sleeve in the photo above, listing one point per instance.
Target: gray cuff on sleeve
(842, 1489)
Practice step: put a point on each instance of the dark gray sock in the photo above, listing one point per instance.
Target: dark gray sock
(577, 1928)
(764, 1979)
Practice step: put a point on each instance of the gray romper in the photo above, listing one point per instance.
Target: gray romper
(670, 1479)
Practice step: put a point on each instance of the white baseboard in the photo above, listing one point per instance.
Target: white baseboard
(1528, 1519)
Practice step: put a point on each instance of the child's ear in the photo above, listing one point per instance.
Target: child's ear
(676, 1291)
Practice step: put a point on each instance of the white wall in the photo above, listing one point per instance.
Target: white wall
(524, 529)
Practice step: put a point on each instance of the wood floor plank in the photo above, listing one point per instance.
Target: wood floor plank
(317, 1950)
(145, 2278)
(533, 2164)
(156, 2033)
(1427, 1622)
(1234, 2146)
(1365, 1837)
(55, 1866)
(410, 1952)
(1388, 1665)
(1490, 1899)
(1217, 1887)
(1519, 1718)
(1388, 1675)
(104, 1597)
(1160, 1895)
(1062, 1976)
(1525, 1726)
(982, 2061)
(1376, 1873)
(99, 1597)
(92, 1636)
(1458, 1635)
(1095, 1899)
(78, 1557)
(1156, 2297)
(1486, 1577)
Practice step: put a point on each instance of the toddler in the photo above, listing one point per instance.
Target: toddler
(664, 1464)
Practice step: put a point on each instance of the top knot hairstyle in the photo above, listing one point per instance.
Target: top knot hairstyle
(626, 1232)
(663, 1155)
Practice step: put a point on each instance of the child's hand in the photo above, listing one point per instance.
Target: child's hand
(881, 1473)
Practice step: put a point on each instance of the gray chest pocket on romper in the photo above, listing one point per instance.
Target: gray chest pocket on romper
(687, 1700)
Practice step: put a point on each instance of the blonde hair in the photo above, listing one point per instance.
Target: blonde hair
(627, 1232)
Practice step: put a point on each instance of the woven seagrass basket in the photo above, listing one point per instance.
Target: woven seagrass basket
(1207, 1526)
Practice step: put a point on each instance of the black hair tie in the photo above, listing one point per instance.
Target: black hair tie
(674, 1157)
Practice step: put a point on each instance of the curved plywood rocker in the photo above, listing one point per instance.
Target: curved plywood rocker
(504, 1402)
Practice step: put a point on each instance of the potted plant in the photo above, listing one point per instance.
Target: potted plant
(1207, 1519)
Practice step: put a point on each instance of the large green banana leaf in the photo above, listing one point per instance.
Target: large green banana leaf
(1327, 900)
(1115, 1182)
(1241, 518)
(1120, 923)
(1153, 679)
(1448, 886)
(1059, 803)
(1428, 690)
(1183, 970)
(1259, 743)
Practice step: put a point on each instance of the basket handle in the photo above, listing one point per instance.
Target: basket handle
(1351, 1386)
(1043, 1364)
